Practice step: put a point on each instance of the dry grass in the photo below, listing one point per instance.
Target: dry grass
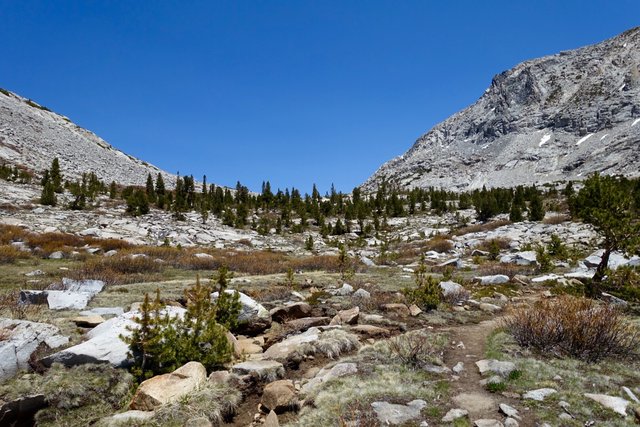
(10, 254)
(502, 243)
(10, 304)
(415, 349)
(117, 270)
(491, 268)
(475, 228)
(576, 327)
(439, 243)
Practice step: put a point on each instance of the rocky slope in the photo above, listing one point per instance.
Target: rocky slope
(554, 118)
(31, 136)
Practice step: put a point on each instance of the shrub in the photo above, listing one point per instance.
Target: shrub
(10, 254)
(556, 248)
(427, 294)
(10, 302)
(161, 343)
(544, 259)
(576, 327)
(415, 349)
(118, 270)
(624, 283)
(439, 243)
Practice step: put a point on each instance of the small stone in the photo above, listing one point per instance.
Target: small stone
(458, 368)
(486, 422)
(539, 394)
(511, 422)
(509, 411)
(454, 414)
(88, 321)
(362, 294)
(616, 404)
(414, 310)
(271, 420)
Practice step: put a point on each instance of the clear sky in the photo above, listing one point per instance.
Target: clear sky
(294, 92)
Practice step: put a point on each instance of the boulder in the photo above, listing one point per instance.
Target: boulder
(168, 388)
(264, 369)
(104, 343)
(345, 290)
(616, 404)
(487, 422)
(520, 258)
(450, 288)
(283, 350)
(496, 366)
(349, 317)
(103, 311)
(253, 317)
(20, 411)
(21, 339)
(361, 294)
(307, 322)
(290, 311)
(454, 414)
(539, 394)
(496, 279)
(394, 414)
(279, 396)
(325, 374)
(88, 321)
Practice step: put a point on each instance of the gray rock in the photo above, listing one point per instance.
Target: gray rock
(509, 411)
(450, 288)
(345, 290)
(511, 422)
(393, 414)
(539, 394)
(327, 373)
(495, 366)
(454, 414)
(616, 404)
(290, 311)
(22, 340)
(487, 422)
(362, 294)
(528, 127)
(283, 350)
(496, 279)
(458, 368)
(264, 369)
(520, 258)
(253, 317)
(56, 255)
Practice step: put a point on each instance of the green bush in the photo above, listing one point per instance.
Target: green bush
(161, 343)
(427, 293)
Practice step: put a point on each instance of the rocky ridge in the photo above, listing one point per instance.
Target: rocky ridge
(559, 117)
(31, 136)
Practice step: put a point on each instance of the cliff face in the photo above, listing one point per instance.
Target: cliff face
(31, 136)
(549, 119)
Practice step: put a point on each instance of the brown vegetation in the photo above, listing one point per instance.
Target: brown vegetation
(475, 228)
(574, 327)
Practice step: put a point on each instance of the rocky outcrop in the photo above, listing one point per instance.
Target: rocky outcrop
(554, 118)
(20, 339)
(167, 388)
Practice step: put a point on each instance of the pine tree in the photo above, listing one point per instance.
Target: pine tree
(150, 190)
(160, 192)
(56, 176)
(536, 207)
(48, 195)
(113, 190)
(515, 214)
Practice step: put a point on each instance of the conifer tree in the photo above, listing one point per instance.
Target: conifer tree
(536, 207)
(48, 195)
(113, 190)
(160, 192)
(56, 175)
(150, 190)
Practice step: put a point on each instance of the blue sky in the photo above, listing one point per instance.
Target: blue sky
(295, 92)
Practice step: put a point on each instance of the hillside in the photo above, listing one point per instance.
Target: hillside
(560, 117)
(32, 135)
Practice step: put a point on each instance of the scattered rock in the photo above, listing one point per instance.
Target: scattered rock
(198, 422)
(167, 388)
(253, 317)
(15, 412)
(512, 422)
(390, 413)
(489, 308)
(458, 368)
(22, 340)
(349, 317)
(35, 273)
(616, 404)
(371, 331)
(454, 414)
(56, 255)
(271, 420)
(202, 255)
(450, 288)
(509, 411)
(629, 393)
(283, 350)
(487, 422)
(290, 311)
(279, 396)
(520, 258)
(327, 373)
(307, 322)
(496, 366)
(539, 394)
(362, 294)
(345, 290)
(265, 369)
(414, 310)
(88, 321)
(493, 280)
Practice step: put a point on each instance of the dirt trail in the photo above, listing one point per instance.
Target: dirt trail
(467, 392)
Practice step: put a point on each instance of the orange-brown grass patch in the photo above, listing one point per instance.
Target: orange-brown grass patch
(329, 263)
(439, 243)
(11, 233)
(556, 219)
(475, 228)
(10, 254)
(119, 270)
(502, 242)
(576, 327)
